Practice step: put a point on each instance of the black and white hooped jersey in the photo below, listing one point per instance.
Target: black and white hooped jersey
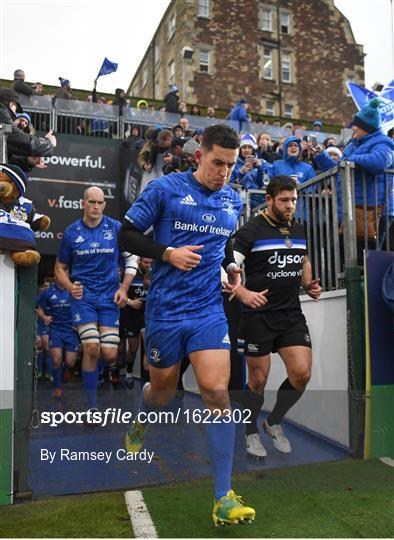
(274, 254)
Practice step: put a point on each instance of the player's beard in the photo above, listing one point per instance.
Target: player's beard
(281, 216)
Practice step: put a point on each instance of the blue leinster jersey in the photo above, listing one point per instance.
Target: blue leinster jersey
(93, 257)
(56, 302)
(184, 212)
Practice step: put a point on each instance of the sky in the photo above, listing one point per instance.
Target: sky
(70, 38)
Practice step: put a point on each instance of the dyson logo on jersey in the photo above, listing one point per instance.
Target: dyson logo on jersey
(283, 260)
(69, 161)
(194, 227)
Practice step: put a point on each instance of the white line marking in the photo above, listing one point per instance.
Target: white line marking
(387, 461)
(141, 521)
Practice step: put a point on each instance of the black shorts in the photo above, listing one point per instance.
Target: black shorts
(268, 331)
(131, 322)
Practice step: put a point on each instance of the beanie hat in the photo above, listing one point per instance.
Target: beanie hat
(317, 123)
(63, 82)
(249, 139)
(190, 147)
(26, 116)
(243, 100)
(335, 150)
(141, 102)
(172, 88)
(17, 176)
(177, 141)
(369, 118)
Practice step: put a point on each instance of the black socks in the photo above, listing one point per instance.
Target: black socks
(287, 396)
(253, 402)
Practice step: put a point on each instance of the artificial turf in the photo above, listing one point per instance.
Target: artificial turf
(99, 515)
(337, 499)
(329, 500)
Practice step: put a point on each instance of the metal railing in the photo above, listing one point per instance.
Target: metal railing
(75, 117)
(339, 224)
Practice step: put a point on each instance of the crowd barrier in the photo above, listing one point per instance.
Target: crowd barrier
(75, 117)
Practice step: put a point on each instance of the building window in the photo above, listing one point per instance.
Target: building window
(270, 108)
(144, 76)
(267, 20)
(157, 89)
(203, 8)
(284, 19)
(171, 72)
(171, 27)
(267, 66)
(286, 67)
(288, 111)
(157, 53)
(204, 61)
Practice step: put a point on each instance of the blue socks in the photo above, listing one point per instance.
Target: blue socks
(48, 364)
(90, 379)
(144, 405)
(39, 361)
(220, 437)
(57, 377)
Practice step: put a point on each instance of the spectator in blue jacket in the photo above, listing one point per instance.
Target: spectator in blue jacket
(292, 164)
(238, 116)
(371, 151)
(249, 170)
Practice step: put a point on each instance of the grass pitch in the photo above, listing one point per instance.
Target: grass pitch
(338, 499)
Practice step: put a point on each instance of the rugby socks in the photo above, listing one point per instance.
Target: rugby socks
(253, 402)
(90, 379)
(48, 364)
(145, 407)
(286, 398)
(57, 377)
(220, 438)
(101, 364)
(39, 361)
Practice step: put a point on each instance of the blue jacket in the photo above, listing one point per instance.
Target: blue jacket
(371, 154)
(238, 117)
(239, 113)
(236, 174)
(290, 166)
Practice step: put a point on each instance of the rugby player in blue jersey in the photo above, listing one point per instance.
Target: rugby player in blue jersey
(54, 309)
(44, 359)
(87, 266)
(193, 215)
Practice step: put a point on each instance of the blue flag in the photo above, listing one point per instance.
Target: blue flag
(107, 68)
(361, 96)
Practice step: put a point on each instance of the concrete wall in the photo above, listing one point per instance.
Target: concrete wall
(324, 406)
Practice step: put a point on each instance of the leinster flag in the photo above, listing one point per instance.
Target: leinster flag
(361, 96)
(107, 68)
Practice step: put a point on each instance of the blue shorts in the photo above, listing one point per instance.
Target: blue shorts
(42, 329)
(104, 313)
(67, 341)
(167, 342)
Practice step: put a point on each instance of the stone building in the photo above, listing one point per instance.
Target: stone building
(290, 58)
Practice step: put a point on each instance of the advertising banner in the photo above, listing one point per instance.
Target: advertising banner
(57, 191)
